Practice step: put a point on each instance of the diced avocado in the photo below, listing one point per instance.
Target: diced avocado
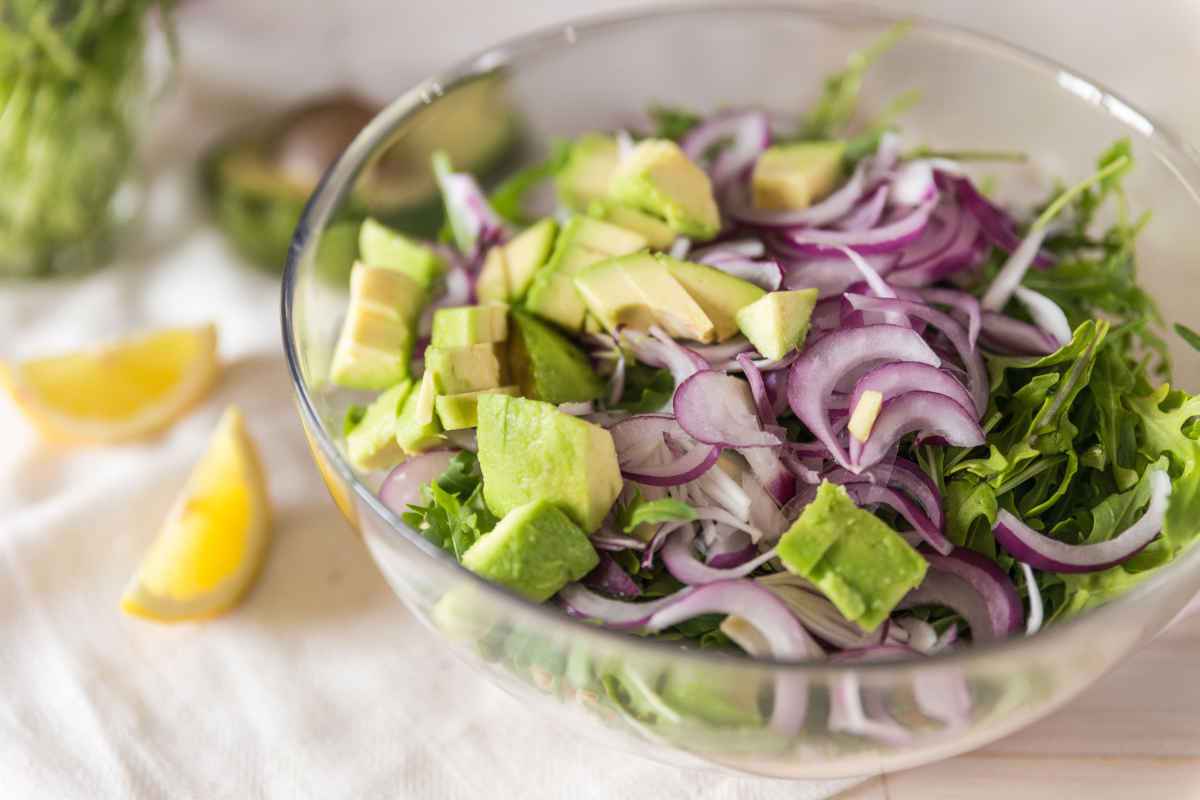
(864, 567)
(639, 291)
(458, 411)
(492, 284)
(794, 176)
(526, 254)
(465, 369)
(372, 444)
(583, 241)
(535, 550)
(719, 294)
(529, 450)
(467, 325)
(380, 246)
(375, 343)
(658, 178)
(778, 322)
(585, 177)
(417, 428)
(657, 233)
(548, 366)
(722, 697)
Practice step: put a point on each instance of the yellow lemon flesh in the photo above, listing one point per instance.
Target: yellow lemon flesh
(214, 541)
(117, 391)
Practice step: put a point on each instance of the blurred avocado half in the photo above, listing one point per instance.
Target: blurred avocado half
(259, 177)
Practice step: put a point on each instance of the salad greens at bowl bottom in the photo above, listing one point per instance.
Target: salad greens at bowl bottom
(789, 389)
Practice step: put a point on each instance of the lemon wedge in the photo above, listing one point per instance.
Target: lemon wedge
(117, 391)
(214, 540)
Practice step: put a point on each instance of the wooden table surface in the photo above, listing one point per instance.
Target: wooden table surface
(1135, 734)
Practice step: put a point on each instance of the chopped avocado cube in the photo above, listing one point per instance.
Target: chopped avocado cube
(380, 246)
(458, 411)
(465, 369)
(492, 284)
(582, 242)
(864, 567)
(417, 429)
(467, 325)
(535, 550)
(527, 253)
(372, 444)
(658, 178)
(794, 176)
(719, 294)
(639, 291)
(590, 165)
(778, 322)
(547, 366)
(375, 343)
(529, 450)
(657, 233)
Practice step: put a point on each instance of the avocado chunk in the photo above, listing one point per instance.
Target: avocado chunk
(659, 179)
(794, 176)
(529, 450)
(657, 233)
(417, 428)
(721, 697)
(380, 246)
(535, 550)
(864, 567)
(639, 291)
(590, 166)
(582, 242)
(465, 369)
(372, 443)
(376, 340)
(458, 411)
(778, 322)
(509, 269)
(547, 366)
(719, 294)
(467, 325)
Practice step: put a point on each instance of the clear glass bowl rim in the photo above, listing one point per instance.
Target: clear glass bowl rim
(1182, 157)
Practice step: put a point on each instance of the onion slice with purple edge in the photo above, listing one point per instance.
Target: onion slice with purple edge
(899, 377)
(766, 275)
(960, 301)
(885, 238)
(927, 414)
(737, 248)
(1041, 552)
(925, 264)
(771, 472)
(864, 492)
(782, 632)
(1046, 314)
(1014, 269)
(472, 220)
(913, 183)
(660, 350)
(758, 389)
(866, 214)
(682, 563)
(998, 226)
(977, 379)
(902, 474)
(817, 614)
(402, 486)
(718, 409)
(836, 205)
(750, 132)
(620, 614)
(973, 586)
(717, 355)
(822, 365)
(1004, 334)
(638, 437)
(609, 577)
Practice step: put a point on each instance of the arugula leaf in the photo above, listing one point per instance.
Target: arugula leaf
(971, 510)
(672, 122)
(1162, 418)
(509, 197)
(1188, 335)
(834, 110)
(867, 142)
(652, 512)
(454, 515)
(646, 388)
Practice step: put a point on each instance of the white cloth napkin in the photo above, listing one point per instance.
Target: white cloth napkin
(321, 685)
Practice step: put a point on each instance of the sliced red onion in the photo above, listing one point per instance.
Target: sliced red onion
(1004, 334)
(636, 438)
(885, 238)
(974, 587)
(942, 694)
(997, 225)
(758, 389)
(577, 409)
(731, 551)
(960, 301)
(921, 635)
(819, 616)
(726, 493)
(1010, 275)
(944, 225)
(771, 472)
(731, 250)
(930, 260)
(865, 493)
(896, 378)
(902, 474)
(472, 220)
(660, 350)
(829, 361)
(402, 486)
(750, 132)
(977, 379)
(717, 356)
(836, 205)
(684, 469)
(766, 275)
(926, 413)
(682, 563)
(610, 578)
(866, 214)
(1033, 622)
(886, 156)
(912, 183)
(582, 602)
(607, 540)
(764, 509)
(1042, 552)
(847, 715)
(1046, 314)
(718, 409)
(680, 247)
(831, 277)
(616, 384)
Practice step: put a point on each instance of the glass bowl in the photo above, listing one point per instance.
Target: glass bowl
(654, 697)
